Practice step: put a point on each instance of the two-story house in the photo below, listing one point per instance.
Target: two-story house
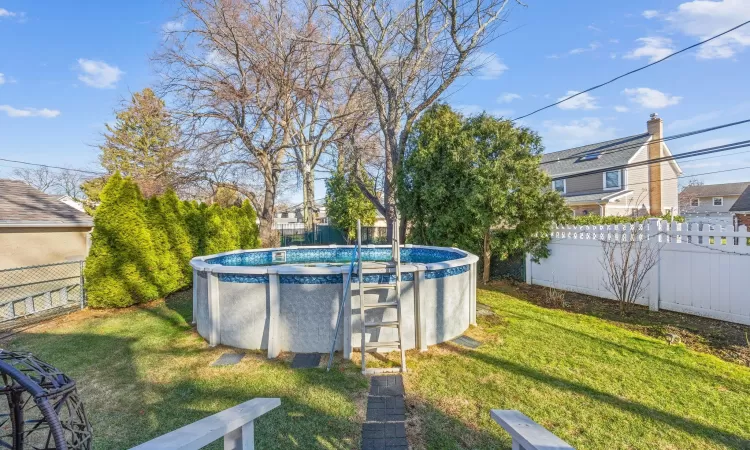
(710, 200)
(641, 190)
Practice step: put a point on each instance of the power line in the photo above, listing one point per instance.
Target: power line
(633, 71)
(52, 167)
(704, 151)
(668, 138)
(669, 179)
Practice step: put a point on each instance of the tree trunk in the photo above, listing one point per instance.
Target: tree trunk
(268, 235)
(392, 152)
(308, 196)
(486, 257)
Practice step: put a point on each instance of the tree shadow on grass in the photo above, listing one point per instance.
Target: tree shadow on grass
(134, 389)
(667, 419)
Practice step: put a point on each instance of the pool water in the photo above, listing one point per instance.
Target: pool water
(335, 256)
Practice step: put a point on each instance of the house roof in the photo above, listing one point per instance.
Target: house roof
(743, 203)
(611, 153)
(715, 190)
(23, 205)
(594, 197)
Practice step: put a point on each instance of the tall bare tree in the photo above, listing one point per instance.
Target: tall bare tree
(39, 177)
(62, 182)
(230, 73)
(409, 53)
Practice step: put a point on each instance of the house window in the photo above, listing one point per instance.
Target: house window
(612, 179)
(718, 201)
(695, 202)
(559, 186)
(285, 215)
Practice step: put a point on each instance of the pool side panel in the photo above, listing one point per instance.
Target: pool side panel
(307, 317)
(448, 315)
(201, 312)
(244, 314)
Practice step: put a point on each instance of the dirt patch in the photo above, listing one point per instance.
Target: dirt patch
(728, 341)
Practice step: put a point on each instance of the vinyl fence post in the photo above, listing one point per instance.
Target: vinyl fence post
(655, 241)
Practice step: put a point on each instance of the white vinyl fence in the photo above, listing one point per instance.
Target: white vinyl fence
(702, 270)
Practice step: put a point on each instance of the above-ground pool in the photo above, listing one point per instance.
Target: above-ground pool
(287, 299)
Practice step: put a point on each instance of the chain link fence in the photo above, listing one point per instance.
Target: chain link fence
(26, 291)
(293, 234)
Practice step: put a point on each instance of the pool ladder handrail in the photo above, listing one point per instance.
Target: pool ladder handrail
(396, 259)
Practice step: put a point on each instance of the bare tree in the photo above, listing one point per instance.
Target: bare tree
(687, 195)
(628, 258)
(230, 73)
(62, 182)
(39, 177)
(409, 53)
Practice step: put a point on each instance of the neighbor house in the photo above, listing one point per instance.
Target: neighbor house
(36, 228)
(291, 217)
(593, 178)
(740, 209)
(710, 200)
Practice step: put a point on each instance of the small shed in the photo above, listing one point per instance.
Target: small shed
(37, 228)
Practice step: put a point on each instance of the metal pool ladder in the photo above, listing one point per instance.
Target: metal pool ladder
(373, 346)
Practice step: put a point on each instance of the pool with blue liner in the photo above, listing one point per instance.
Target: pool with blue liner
(287, 299)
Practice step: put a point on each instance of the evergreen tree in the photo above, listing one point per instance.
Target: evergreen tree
(168, 273)
(143, 144)
(248, 227)
(476, 184)
(120, 268)
(345, 203)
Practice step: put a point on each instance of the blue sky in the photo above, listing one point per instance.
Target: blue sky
(65, 67)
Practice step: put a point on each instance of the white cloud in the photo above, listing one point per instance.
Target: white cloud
(583, 101)
(614, 41)
(650, 13)
(489, 66)
(218, 59)
(98, 74)
(622, 109)
(577, 132)
(653, 48)
(592, 46)
(594, 28)
(29, 112)
(651, 98)
(508, 97)
(2, 78)
(709, 143)
(691, 122)
(5, 13)
(701, 19)
(173, 26)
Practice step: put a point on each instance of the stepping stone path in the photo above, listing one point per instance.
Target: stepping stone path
(466, 341)
(228, 359)
(384, 427)
(306, 360)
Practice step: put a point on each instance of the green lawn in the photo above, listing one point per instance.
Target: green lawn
(143, 372)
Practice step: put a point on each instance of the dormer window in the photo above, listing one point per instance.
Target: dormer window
(590, 156)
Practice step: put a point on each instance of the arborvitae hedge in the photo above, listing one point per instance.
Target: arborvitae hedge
(141, 249)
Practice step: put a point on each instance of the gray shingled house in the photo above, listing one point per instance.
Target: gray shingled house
(36, 228)
(741, 209)
(642, 190)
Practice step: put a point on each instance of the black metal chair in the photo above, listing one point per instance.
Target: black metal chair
(44, 410)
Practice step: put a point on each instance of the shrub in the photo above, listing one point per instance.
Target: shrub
(141, 249)
(614, 220)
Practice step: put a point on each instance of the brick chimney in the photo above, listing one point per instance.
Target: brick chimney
(655, 129)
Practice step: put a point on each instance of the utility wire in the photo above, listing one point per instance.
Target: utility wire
(52, 167)
(633, 71)
(632, 146)
(704, 151)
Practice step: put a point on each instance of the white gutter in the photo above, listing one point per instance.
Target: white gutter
(31, 224)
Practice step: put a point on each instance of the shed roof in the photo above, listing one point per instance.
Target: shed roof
(22, 205)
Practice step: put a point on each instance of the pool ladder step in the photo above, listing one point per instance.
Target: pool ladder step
(395, 302)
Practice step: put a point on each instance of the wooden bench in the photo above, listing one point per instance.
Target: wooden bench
(527, 434)
(235, 425)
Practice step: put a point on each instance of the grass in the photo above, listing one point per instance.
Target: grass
(143, 372)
